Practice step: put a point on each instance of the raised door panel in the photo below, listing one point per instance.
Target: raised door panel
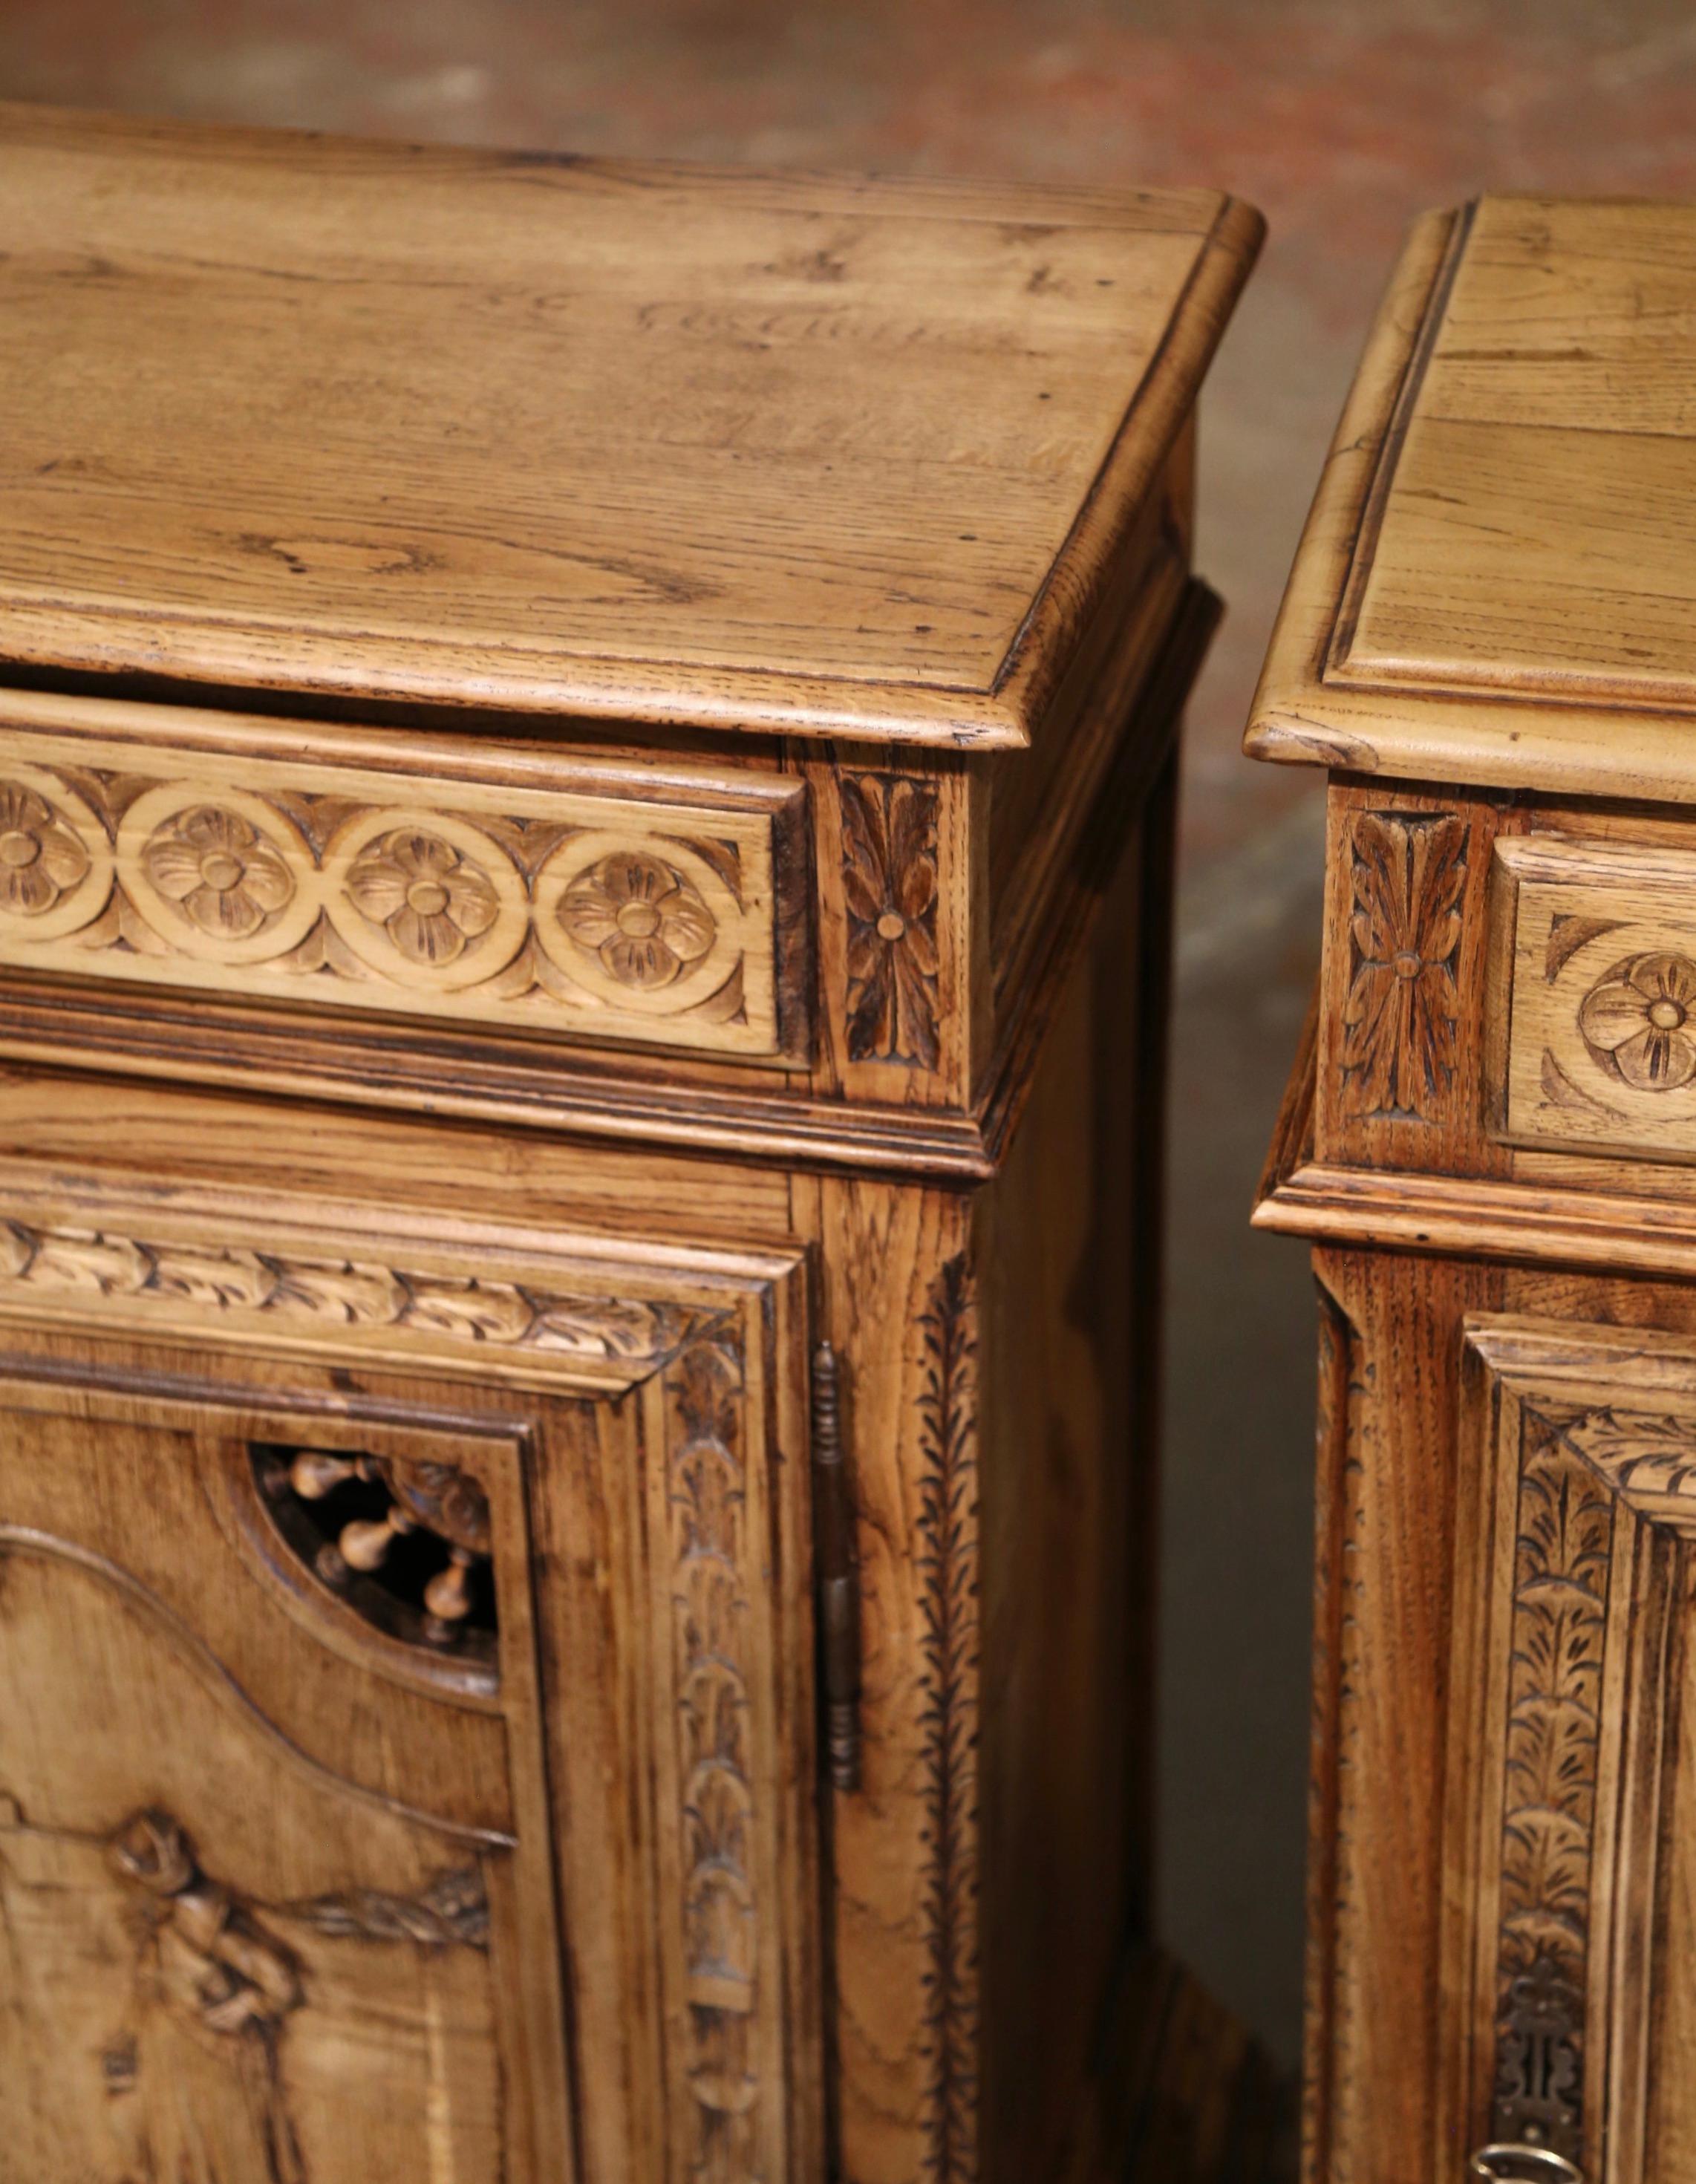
(266, 1914)
(404, 1709)
(1568, 1996)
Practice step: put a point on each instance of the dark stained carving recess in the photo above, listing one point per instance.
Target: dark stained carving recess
(946, 1565)
(406, 1544)
(1400, 1045)
(889, 883)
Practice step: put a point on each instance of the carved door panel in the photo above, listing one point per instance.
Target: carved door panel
(1570, 1962)
(404, 1714)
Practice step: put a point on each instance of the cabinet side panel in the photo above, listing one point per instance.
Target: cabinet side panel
(900, 1307)
(1069, 1247)
(1373, 2040)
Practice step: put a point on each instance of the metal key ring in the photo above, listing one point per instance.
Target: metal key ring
(1529, 2162)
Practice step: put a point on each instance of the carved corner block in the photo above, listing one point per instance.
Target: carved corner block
(894, 880)
(1402, 1024)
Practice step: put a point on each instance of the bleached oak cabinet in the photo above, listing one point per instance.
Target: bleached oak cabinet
(1489, 641)
(585, 780)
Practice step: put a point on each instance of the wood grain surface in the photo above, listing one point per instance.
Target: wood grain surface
(571, 437)
(1496, 582)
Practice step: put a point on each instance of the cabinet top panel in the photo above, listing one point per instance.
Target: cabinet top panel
(1498, 583)
(724, 449)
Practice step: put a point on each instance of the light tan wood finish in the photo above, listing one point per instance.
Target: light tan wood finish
(665, 906)
(658, 443)
(566, 730)
(1489, 1137)
(1496, 582)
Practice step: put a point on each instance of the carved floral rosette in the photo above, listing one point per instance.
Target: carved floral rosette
(204, 882)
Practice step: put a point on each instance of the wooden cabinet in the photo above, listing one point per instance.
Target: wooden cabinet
(586, 770)
(1489, 1139)
(361, 1603)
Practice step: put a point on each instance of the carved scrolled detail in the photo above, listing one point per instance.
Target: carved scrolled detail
(452, 1912)
(946, 1565)
(710, 1559)
(595, 919)
(1401, 1017)
(45, 1263)
(889, 884)
(1637, 1021)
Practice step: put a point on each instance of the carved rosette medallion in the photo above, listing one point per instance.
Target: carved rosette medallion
(1639, 1022)
(948, 1568)
(651, 929)
(642, 919)
(55, 859)
(425, 899)
(42, 858)
(889, 885)
(432, 901)
(1400, 1020)
(219, 871)
(229, 880)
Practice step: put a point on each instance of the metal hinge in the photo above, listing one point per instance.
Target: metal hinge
(838, 1572)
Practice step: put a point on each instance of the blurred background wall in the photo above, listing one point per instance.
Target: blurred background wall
(1340, 119)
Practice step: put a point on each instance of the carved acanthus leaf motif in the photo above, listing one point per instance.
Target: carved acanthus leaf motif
(1637, 1453)
(709, 1553)
(1400, 1048)
(499, 1314)
(947, 1564)
(1556, 1644)
(889, 885)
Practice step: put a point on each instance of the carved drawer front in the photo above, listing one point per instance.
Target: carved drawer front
(404, 1705)
(665, 910)
(1601, 1045)
(1570, 1975)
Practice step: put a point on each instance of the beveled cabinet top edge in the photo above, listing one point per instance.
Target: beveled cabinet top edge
(625, 646)
(1326, 699)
